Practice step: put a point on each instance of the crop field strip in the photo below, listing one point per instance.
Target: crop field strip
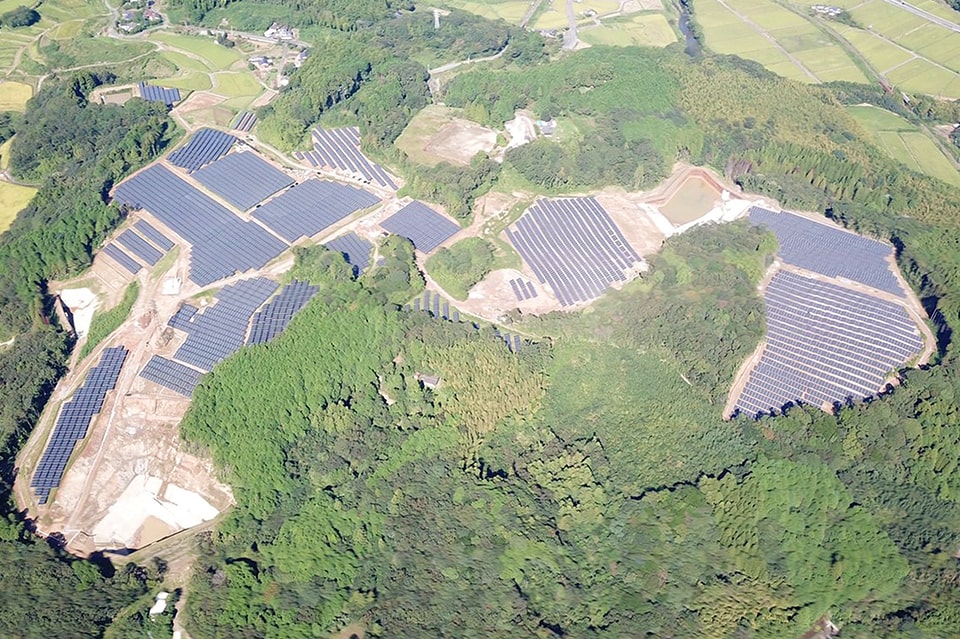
(825, 345)
(159, 240)
(523, 289)
(340, 149)
(355, 250)
(828, 250)
(420, 224)
(221, 329)
(74, 420)
(204, 147)
(243, 179)
(172, 375)
(139, 247)
(152, 93)
(222, 243)
(440, 308)
(310, 207)
(277, 313)
(245, 121)
(573, 245)
(120, 257)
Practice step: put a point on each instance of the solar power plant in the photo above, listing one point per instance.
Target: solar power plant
(152, 93)
(825, 344)
(159, 239)
(181, 319)
(310, 207)
(355, 250)
(245, 121)
(74, 420)
(243, 179)
(139, 247)
(523, 289)
(340, 149)
(573, 245)
(122, 258)
(273, 319)
(420, 224)
(435, 305)
(221, 329)
(204, 147)
(170, 374)
(223, 244)
(829, 250)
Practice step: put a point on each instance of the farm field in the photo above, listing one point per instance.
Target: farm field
(13, 198)
(14, 95)
(511, 11)
(235, 85)
(907, 143)
(218, 57)
(648, 29)
(784, 42)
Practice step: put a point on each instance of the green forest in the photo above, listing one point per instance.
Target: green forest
(585, 486)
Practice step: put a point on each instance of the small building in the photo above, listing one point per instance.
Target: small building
(547, 127)
(152, 15)
(300, 59)
(428, 381)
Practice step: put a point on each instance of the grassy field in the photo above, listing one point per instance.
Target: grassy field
(236, 85)
(13, 198)
(906, 142)
(190, 81)
(4, 154)
(507, 10)
(798, 44)
(185, 62)
(417, 135)
(647, 29)
(14, 95)
(218, 57)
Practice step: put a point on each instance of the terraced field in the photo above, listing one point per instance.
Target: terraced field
(646, 29)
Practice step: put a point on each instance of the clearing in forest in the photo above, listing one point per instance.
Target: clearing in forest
(13, 199)
(437, 134)
(906, 142)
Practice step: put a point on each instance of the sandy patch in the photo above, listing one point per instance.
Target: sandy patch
(521, 130)
(460, 140)
(82, 303)
(199, 100)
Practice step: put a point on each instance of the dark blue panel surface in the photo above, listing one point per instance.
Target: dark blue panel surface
(204, 147)
(273, 319)
(139, 247)
(340, 149)
(310, 207)
(355, 250)
(155, 236)
(122, 258)
(243, 179)
(170, 374)
(420, 224)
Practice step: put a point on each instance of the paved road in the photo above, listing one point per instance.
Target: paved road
(943, 22)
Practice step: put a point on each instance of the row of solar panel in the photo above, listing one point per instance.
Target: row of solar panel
(204, 147)
(74, 420)
(276, 315)
(439, 308)
(420, 224)
(829, 250)
(825, 344)
(356, 251)
(573, 245)
(523, 289)
(245, 121)
(243, 179)
(340, 149)
(170, 374)
(152, 93)
(310, 207)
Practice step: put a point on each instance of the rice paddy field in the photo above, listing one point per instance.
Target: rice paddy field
(13, 199)
(783, 41)
(907, 143)
(217, 57)
(645, 29)
(14, 95)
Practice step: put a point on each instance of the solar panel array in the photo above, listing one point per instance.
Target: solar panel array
(222, 243)
(181, 319)
(340, 149)
(439, 308)
(204, 147)
(245, 121)
(573, 245)
(152, 234)
(170, 374)
(139, 247)
(355, 250)
(152, 93)
(273, 319)
(310, 207)
(243, 179)
(122, 258)
(825, 344)
(523, 289)
(74, 420)
(420, 224)
(221, 329)
(828, 250)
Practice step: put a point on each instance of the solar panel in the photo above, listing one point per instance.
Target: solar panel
(243, 179)
(152, 234)
(139, 247)
(310, 207)
(356, 251)
(152, 93)
(420, 224)
(825, 345)
(74, 420)
(122, 258)
(170, 374)
(273, 319)
(573, 245)
(204, 147)
(824, 248)
(245, 121)
(222, 244)
(340, 149)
